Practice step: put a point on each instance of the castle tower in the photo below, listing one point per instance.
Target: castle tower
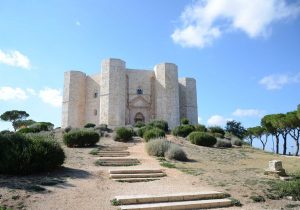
(167, 93)
(188, 99)
(73, 108)
(113, 92)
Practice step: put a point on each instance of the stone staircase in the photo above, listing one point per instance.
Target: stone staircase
(117, 162)
(136, 175)
(197, 200)
(113, 153)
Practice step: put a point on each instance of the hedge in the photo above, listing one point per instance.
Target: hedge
(202, 139)
(183, 130)
(123, 134)
(21, 154)
(81, 138)
(153, 133)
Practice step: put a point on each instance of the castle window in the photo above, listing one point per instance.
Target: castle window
(139, 91)
(95, 95)
(95, 112)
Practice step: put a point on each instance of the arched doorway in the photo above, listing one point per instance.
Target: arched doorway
(139, 117)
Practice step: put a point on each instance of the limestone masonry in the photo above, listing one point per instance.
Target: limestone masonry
(120, 96)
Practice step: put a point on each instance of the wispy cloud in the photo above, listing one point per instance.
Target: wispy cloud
(278, 81)
(9, 93)
(248, 113)
(204, 21)
(217, 120)
(51, 96)
(15, 58)
(78, 23)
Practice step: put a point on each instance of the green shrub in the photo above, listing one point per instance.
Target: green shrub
(139, 124)
(257, 198)
(27, 130)
(157, 147)
(217, 129)
(42, 126)
(183, 130)
(236, 141)
(218, 135)
(200, 128)
(89, 125)
(161, 124)
(67, 129)
(290, 188)
(6, 132)
(123, 134)
(142, 130)
(202, 139)
(184, 121)
(20, 154)
(81, 138)
(175, 152)
(153, 133)
(223, 143)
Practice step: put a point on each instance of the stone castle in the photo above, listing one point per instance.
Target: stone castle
(120, 96)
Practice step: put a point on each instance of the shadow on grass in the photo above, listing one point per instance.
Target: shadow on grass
(38, 182)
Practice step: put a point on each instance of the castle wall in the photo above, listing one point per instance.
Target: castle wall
(74, 99)
(139, 79)
(188, 99)
(167, 93)
(112, 95)
(92, 99)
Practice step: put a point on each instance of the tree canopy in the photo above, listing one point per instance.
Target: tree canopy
(235, 128)
(13, 116)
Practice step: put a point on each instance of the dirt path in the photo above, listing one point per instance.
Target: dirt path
(93, 189)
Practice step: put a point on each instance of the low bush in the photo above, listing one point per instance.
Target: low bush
(237, 142)
(89, 125)
(200, 128)
(223, 143)
(184, 121)
(21, 154)
(175, 152)
(257, 198)
(161, 124)
(142, 130)
(217, 129)
(42, 126)
(157, 147)
(139, 124)
(67, 129)
(183, 130)
(123, 134)
(27, 130)
(218, 135)
(153, 133)
(290, 188)
(6, 132)
(81, 138)
(202, 139)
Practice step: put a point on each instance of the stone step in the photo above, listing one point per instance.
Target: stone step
(113, 148)
(151, 175)
(115, 152)
(112, 155)
(135, 171)
(117, 162)
(135, 179)
(140, 199)
(198, 204)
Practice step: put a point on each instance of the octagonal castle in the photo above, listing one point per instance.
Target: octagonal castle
(120, 96)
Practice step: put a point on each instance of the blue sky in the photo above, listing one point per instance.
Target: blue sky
(244, 54)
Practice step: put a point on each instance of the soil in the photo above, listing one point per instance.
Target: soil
(80, 184)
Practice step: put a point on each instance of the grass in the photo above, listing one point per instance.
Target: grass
(291, 206)
(236, 202)
(164, 163)
(94, 151)
(115, 202)
(257, 198)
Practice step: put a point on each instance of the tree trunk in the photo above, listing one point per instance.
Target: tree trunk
(284, 136)
(297, 148)
(277, 143)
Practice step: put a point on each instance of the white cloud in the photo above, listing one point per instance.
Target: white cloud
(9, 93)
(277, 81)
(217, 120)
(31, 91)
(51, 96)
(78, 23)
(14, 58)
(206, 20)
(248, 113)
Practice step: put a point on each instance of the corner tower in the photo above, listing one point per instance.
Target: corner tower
(167, 93)
(188, 99)
(112, 92)
(73, 108)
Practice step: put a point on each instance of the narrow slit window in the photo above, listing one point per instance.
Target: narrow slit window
(95, 95)
(95, 112)
(139, 91)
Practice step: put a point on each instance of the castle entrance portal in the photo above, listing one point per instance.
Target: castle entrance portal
(139, 117)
